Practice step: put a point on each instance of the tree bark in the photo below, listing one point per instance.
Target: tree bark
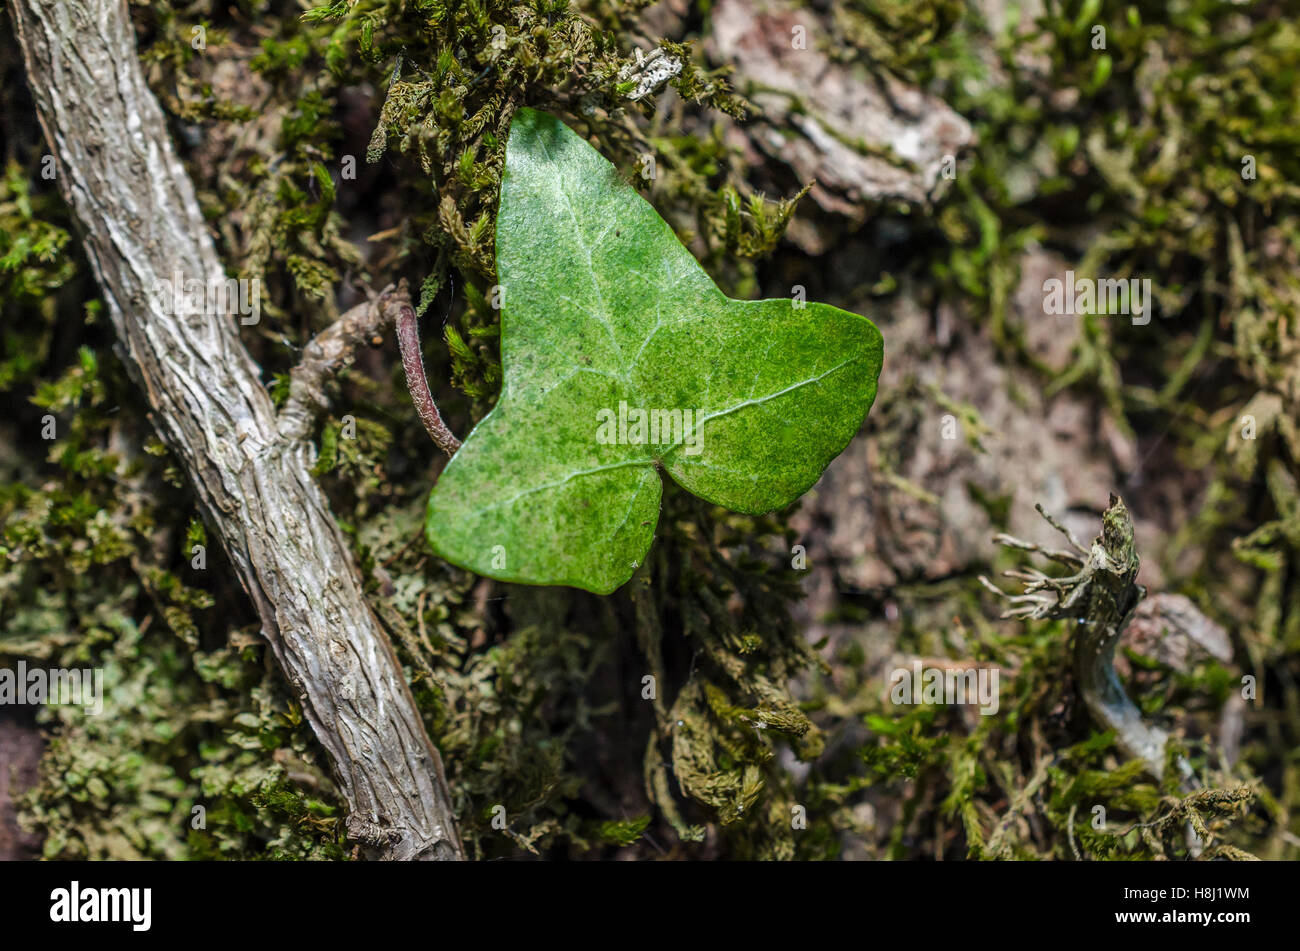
(142, 225)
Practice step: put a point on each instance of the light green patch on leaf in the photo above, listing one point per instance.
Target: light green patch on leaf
(606, 316)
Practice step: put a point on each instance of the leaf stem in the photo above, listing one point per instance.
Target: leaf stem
(408, 342)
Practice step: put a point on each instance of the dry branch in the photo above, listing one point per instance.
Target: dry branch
(408, 341)
(1100, 598)
(332, 351)
(142, 225)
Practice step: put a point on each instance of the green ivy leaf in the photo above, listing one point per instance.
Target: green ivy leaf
(606, 315)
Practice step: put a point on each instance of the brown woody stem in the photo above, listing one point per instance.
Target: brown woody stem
(329, 352)
(408, 341)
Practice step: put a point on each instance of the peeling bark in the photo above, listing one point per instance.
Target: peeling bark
(860, 138)
(142, 225)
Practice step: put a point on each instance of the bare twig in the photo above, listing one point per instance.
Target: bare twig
(1069, 535)
(332, 350)
(1100, 598)
(408, 341)
(1055, 554)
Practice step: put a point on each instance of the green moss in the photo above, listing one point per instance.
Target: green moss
(536, 698)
